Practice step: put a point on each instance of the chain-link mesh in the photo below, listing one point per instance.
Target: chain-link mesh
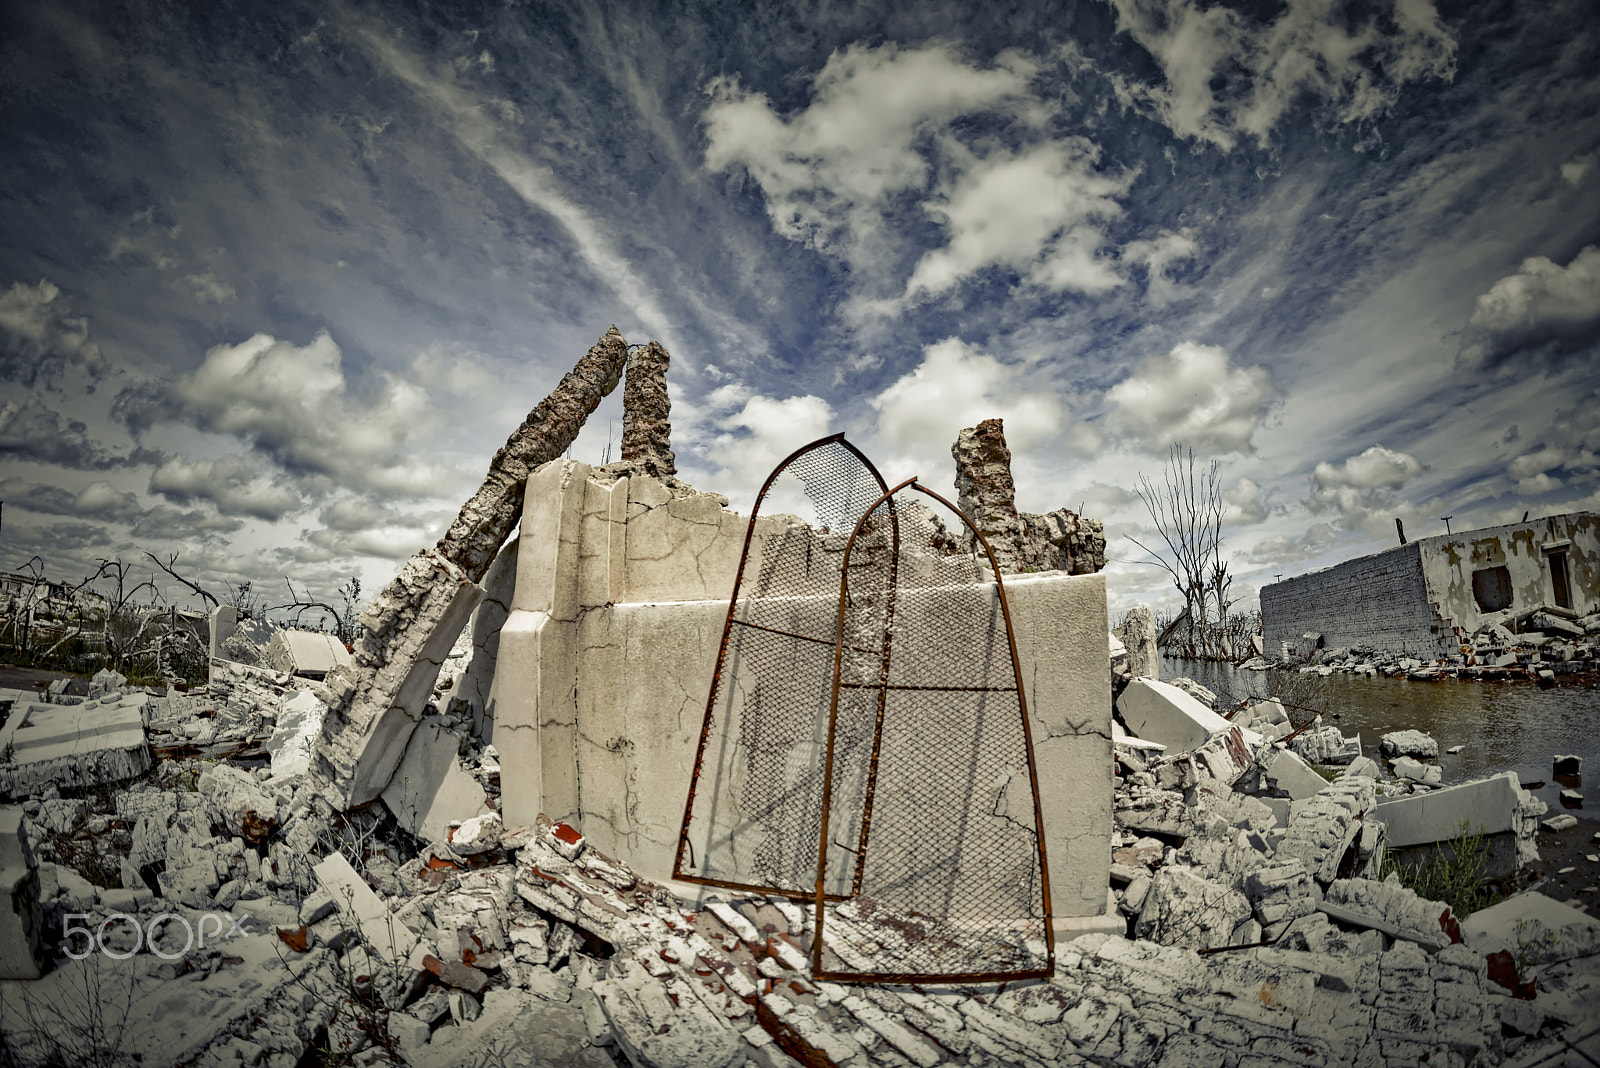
(932, 804)
(755, 801)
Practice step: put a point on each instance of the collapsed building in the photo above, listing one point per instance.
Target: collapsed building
(1427, 598)
(531, 709)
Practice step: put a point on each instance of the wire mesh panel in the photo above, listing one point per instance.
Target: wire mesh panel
(930, 795)
(755, 800)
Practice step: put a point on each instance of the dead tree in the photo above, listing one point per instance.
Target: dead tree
(1187, 512)
(170, 568)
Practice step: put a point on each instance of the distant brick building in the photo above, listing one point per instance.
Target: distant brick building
(1424, 597)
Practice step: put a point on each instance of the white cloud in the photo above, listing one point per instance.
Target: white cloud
(1193, 395)
(1542, 303)
(1244, 503)
(293, 404)
(42, 342)
(1364, 490)
(31, 430)
(825, 169)
(1038, 212)
(1158, 255)
(1283, 550)
(98, 500)
(1575, 170)
(879, 127)
(1228, 75)
(748, 443)
(209, 289)
(956, 386)
(237, 485)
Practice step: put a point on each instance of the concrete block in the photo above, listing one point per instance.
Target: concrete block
(1161, 712)
(430, 788)
(356, 900)
(309, 654)
(295, 734)
(71, 745)
(1486, 806)
(1533, 927)
(1408, 743)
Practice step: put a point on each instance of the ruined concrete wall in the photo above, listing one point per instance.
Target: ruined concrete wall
(1380, 600)
(606, 660)
(1022, 542)
(1524, 550)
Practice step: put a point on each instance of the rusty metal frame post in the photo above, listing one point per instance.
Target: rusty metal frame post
(679, 870)
(820, 897)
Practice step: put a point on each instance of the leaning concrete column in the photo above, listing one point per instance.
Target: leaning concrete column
(408, 629)
(646, 433)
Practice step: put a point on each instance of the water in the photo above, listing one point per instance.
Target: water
(1505, 726)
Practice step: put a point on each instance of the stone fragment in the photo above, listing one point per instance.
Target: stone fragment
(1138, 635)
(456, 974)
(1536, 930)
(1327, 745)
(356, 900)
(1327, 826)
(1559, 822)
(430, 789)
(62, 746)
(477, 835)
(1285, 774)
(1408, 743)
(298, 726)
(1566, 764)
(239, 802)
(655, 1033)
(1163, 712)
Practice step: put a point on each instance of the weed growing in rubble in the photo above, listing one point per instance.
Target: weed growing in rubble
(1454, 873)
(82, 1023)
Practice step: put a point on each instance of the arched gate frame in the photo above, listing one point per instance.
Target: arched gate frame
(929, 766)
(866, 746)
(755, 799)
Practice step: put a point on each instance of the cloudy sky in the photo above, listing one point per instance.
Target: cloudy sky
(277, 279)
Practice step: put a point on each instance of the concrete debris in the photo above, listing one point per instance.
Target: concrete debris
(1056, 541)
(306, 653)
(99, 740)
(21, 922)
(1162, 712)
(1534, 928)
(1408, 743)
(1327, 745)
(1138, 637)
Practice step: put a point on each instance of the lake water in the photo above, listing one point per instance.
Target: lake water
(1505, 726)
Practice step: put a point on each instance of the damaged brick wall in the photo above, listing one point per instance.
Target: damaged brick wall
(646, 430)
(1055, 541)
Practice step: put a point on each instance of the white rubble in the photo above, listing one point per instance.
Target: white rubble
(1408, 743)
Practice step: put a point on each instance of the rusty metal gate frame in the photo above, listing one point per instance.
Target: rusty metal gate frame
(685, 850)
(819, 898)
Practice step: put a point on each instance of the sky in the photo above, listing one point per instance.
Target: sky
(276, 280)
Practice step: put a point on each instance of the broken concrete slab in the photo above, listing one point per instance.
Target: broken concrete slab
(1496, 807)
(430, 788)
(1183, 907)
(1534, 928)
(355, 899)
(307, 653)
(1161, 712)
(1285, 774)
(1408, 743)
(98, 741)
(295, 734)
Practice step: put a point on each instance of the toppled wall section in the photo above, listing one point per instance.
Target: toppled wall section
(1056, 541)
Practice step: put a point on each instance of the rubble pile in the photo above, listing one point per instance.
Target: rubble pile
(1548, 645)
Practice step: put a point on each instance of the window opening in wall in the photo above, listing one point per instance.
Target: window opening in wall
(1560, 582)
(1491, 588)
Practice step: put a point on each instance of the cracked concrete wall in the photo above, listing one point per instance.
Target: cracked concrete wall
(1524, 550)
(606, 659)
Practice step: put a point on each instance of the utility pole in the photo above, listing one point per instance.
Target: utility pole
(1447, 519)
